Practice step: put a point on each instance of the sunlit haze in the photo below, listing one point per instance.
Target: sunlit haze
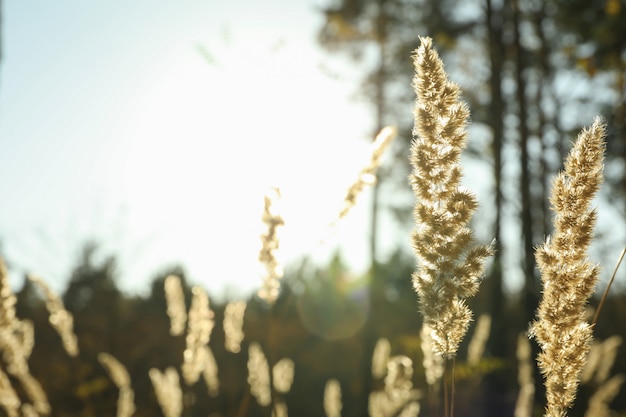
(156, 127)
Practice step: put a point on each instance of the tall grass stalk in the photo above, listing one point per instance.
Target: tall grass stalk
(568, 277)
(450, 264)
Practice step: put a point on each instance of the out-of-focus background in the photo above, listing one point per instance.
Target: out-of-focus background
(139, 138)
(155, 129)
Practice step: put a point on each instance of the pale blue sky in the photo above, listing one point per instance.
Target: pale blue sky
(114, 126)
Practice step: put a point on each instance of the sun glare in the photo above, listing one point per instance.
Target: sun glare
(208, 135)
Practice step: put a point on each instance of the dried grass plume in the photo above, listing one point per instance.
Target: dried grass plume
(176, 309)
(259, 375)
(568, 277)
(61, 319)
(367, 176)
(167, 390)
(120, 377)
(270, 244)
(233, 325)
(450, 265)
(16, 344)
(332, 398)
(200, 324)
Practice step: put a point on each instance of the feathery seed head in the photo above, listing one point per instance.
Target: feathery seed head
(233, 325)
(269, 248)
(380, 357)
(367, 175)
(282, 375)
(561, 329)
(450, 264)
(176, 309)
(433, 364)
(7, 298)
(167, 390)
(121, 379)
(332, 398)
(61, 319)
(199, 327)
(210, 371)
(259, 375)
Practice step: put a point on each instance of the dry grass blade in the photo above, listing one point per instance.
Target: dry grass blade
(608, 287)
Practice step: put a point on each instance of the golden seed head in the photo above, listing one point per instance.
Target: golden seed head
(176, 309)
(269, 249)
(450, 264)
(233, 325)
(569, 279)
(332, 398)
(259, 375)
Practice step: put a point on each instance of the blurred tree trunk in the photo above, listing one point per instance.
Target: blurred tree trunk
(496, 111)
(381, 85)
(495, 386)
(545, 94)
(531, 293)
(381, 110)
(599, 26)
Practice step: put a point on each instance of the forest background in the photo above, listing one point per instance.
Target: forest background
(533, 73)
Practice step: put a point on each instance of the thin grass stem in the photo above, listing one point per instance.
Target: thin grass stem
(608, 287)
(446, 389)
(452, 387)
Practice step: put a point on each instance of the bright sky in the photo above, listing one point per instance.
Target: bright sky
(155, 127)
